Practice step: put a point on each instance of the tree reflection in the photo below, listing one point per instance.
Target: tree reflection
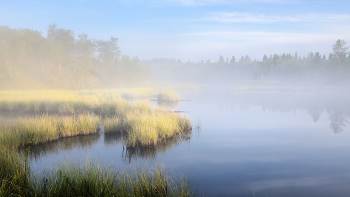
(335, 103)
(338, 120)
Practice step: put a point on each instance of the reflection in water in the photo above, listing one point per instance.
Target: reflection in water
(168, 105)
(110, 139)
(337, 105)
(338, 120)
(64, 144)
(148, 152)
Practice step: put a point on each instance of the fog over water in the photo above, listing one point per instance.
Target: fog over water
(265, 84)
(272, 143)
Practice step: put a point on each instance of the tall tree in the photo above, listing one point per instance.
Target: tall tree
(233, 60)
(108, 51)
(221, 59)
(265, 58)
(340, 50)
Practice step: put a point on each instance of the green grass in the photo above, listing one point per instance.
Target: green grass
(169, 96)
(91, 179)
(88, 179)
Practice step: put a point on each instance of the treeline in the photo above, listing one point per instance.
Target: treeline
(64, 60)
(335, 67)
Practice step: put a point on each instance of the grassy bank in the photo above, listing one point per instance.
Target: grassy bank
(64, 101)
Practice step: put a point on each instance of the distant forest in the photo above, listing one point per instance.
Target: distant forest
(63, 60)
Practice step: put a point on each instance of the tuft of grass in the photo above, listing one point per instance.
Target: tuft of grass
(144, 128)
(169, 96)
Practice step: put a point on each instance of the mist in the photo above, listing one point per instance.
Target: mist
(174, 98)
(69, 61)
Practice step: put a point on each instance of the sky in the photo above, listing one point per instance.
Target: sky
(192, 29)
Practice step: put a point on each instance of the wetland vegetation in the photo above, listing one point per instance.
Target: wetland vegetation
(54, 115)
(82, 88)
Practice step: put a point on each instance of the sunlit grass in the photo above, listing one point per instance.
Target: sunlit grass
(143, 128)
(46, 128)
(65, 101)
(139, 124)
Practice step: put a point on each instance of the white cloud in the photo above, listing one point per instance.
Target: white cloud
(240, 17)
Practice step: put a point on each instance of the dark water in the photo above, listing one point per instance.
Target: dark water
(262, 143)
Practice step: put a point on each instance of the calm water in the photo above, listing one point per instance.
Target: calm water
(270, 143)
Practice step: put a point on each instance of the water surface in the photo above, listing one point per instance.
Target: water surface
(271, 143)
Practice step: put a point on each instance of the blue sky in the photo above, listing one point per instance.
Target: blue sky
(193, 29)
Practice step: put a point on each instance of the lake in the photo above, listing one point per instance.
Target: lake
(259, 143)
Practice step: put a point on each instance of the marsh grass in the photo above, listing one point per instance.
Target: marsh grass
(64, 101)
(144, 127)
(14, 180)
(169, 96)
(138, 124)
(46, 128)
(91, 179)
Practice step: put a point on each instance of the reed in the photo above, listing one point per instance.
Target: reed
(144, 128)
(169, 96)
(116, 108)
(46, 128)
(91, 179)
(65, 102)
(139, 124)
(14, 179)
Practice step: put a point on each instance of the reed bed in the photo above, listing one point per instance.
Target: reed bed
(139, 125)
(88, 179)
(91, 179)
(144, 127)
(169, 96)
(65, 102)
(46, 128)
(14, 176)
